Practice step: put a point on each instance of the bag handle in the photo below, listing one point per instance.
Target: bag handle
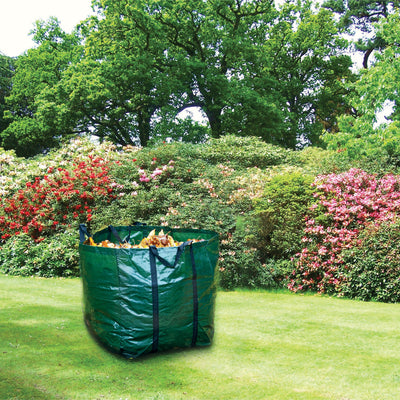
(154, 290)
(180, 249)
(116, 235)
(83, 233)
(136, 223)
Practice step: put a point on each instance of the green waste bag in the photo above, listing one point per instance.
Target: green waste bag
(138, 301)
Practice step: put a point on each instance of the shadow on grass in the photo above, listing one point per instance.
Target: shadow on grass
(143, 357)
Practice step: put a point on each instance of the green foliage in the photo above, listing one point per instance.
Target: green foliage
(6, 74)
(360, 17)
(311, 68)
(198, 186)
(251, 68)
(359, 137)
(253, 194)
(279, 214)
(52, 257)
(35, 123)
(315, 160)
(185, 130)
(371, 147)
(243, 152)
(371, 268)
(240, 265)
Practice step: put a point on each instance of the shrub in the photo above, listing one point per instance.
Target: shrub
(240, 265)
(359, 140)
(371, 268)
(280, 270)
(59, 197)
(209, 186)
(350, 201)
(191, 192)
(280, 213)
(243, 152)
(53, 256)
(15, 172)
(315, 160)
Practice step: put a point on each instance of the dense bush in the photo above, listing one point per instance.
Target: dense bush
(345, 204)
(57, 198)
(15, 171)
(53, 256)
(280, 212)
(243, 152)
(263, 215)
(371, 268)
(177, 185)
(240, 265)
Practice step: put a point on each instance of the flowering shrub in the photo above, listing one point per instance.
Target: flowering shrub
(171, 185)
(16, 171)
(171, 193)
(57, 198)
(213, 186)
(345, 204)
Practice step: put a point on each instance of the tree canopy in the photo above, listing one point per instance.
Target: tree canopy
(6, 74)
(33, 108)
(359, 16)
(127, 73)
(361, 135)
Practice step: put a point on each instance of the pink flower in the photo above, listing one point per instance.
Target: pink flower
(144, 178)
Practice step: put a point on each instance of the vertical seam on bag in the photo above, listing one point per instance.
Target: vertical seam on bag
(195, 298)
(154, 291)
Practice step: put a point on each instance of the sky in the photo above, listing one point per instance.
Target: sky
(17, 19)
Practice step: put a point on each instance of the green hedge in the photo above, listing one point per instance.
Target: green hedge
(371, 268)
(253, 194)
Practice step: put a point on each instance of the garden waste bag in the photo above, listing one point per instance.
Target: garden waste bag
(144, 299)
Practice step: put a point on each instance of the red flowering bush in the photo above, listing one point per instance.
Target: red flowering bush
(345, 204)
(58, 198)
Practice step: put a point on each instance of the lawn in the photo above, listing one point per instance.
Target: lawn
(268, 345)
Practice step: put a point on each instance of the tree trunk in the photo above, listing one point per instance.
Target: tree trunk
(144, 128)
(214, 118)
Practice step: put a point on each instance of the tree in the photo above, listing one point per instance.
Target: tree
(34, 124)
(182, 53)
(360, 136)
(213, 40)
(6, 74)
(360, 15)
(232, 59)
(310, 68)
(251, 68)
(131, 77)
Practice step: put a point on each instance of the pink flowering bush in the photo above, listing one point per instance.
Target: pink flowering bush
(344, 205)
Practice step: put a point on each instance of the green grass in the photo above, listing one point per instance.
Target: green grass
(268, 346)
